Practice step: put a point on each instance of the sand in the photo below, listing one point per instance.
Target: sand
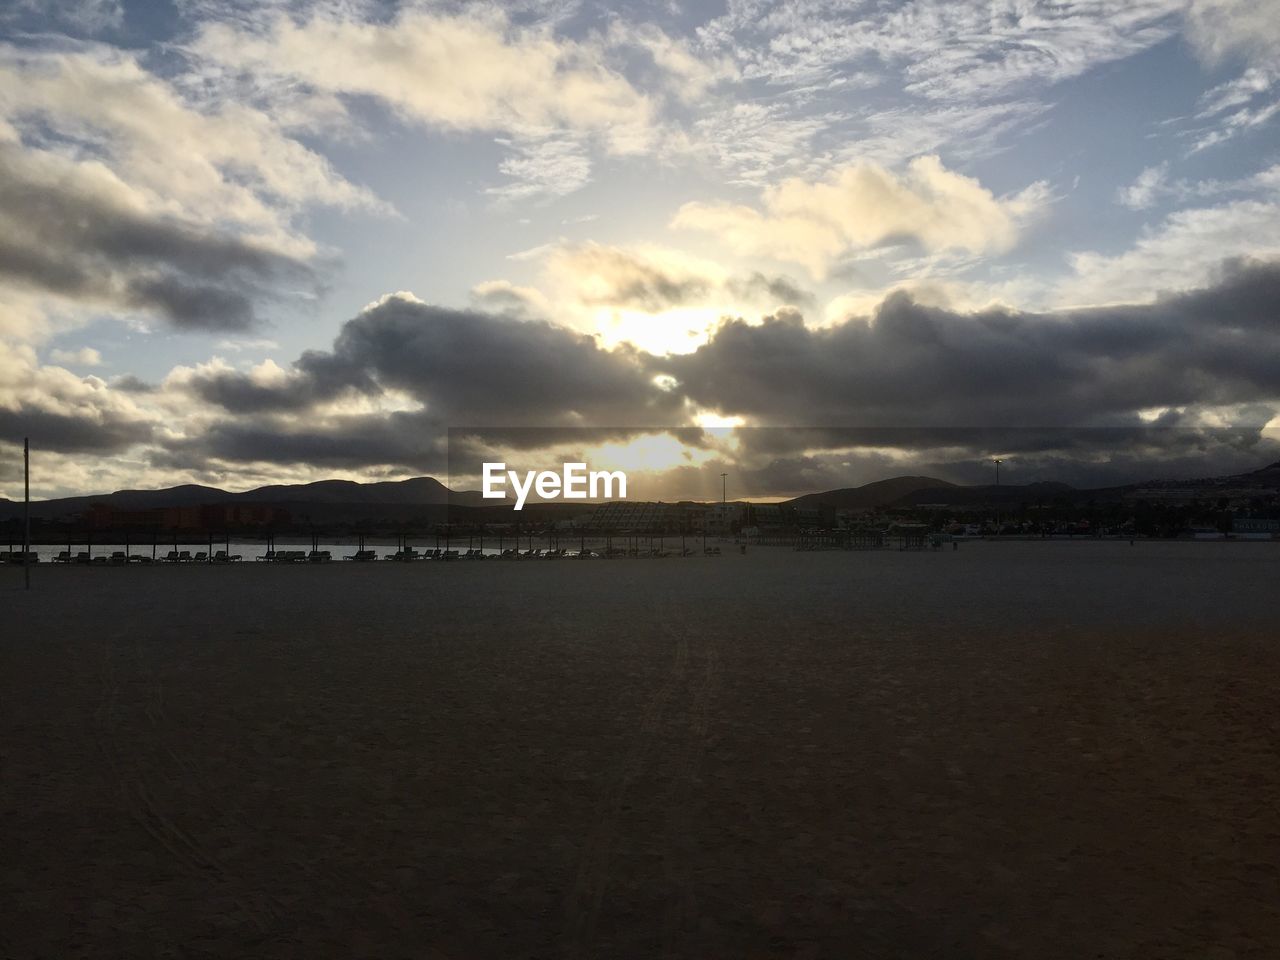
(1014, 750)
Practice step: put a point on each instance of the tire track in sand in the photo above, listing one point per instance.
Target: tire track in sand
(680, 914)
(135, 775)
(681, 708)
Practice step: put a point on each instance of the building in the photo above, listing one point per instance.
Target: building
(212, 517)
(724, 517)
(1255, 525)
(636, 516)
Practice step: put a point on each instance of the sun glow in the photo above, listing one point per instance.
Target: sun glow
(649, 453)
(680, 330)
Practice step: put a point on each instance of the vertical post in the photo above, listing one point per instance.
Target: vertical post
(26, 512)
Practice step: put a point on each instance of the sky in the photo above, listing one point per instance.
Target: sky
(810, 243)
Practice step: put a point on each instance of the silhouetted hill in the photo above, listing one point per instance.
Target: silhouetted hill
(338, 501)
(954, 495)
(322, 498)
(416, 490)
(877, 494)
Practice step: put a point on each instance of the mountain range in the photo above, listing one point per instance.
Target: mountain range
(331, 499)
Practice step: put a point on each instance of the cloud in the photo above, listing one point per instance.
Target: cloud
(444, 367)
(1181, 252)
(552, 167)
(756, 142)
(1146, 188)
(75, 232)
(84, 357)
(863, 206)
(237, 345)
(915, 365)
(63, 412)
(1246, 31)
(213, 161)
(1223, 29)
(505, 297)
(1209, 357)
(652, 297)
(650, 280)
(957, 50)
(117, 192)
(398, 441)
(1153, 186)
(548, 96)
(911, 379)
(81, 16)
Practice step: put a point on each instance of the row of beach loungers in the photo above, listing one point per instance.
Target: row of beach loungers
(119, 557)
(536, 553)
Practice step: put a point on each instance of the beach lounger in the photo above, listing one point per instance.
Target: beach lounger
(362, 556)
(139, 558)
(184, 556)
(319, 556)
(201, 557)
(82, 556)
(63, 557)
(269, 556)
(119, 556)
(170, 557)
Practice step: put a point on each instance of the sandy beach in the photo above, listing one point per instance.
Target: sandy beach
(1050, 750)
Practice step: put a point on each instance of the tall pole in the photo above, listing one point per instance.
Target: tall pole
(724, 487)
(26, 512)
(998, 461)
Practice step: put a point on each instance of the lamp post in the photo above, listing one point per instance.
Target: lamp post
(724, 487)
(998, 461)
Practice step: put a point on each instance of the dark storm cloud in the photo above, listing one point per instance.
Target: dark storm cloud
(132, 384)
(917, 365)
(948, 387)
(406, 441)
(73, 433)
(466, 368)
(67, 238)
